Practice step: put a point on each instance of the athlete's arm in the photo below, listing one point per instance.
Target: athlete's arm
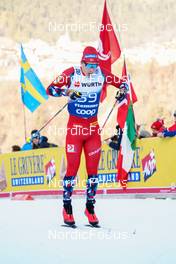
(55, 88)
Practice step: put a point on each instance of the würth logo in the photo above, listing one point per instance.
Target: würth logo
(93, 84)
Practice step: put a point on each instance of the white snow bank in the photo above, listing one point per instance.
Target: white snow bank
(133, 232)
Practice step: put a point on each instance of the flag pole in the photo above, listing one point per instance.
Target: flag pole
(22, 97)
(24, 123)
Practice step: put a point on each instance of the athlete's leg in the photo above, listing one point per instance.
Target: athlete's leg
(92, 150)
(73, 152)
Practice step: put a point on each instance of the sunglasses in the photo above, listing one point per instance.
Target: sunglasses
(91, 66)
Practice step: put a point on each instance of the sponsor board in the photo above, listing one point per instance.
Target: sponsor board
(153, 169)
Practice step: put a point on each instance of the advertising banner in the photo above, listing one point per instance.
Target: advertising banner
(41, 171)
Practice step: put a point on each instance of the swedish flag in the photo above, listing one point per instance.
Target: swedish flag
(32, 91)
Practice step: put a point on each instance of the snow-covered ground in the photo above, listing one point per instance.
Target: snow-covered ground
(134, 231)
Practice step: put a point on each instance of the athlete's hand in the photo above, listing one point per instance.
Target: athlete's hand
(124, 86)
(121, 93)
(74, 94)
(55, 91)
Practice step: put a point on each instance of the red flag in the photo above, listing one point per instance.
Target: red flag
(133, 94)
(126, 78)
(123, 105)
(109, 49)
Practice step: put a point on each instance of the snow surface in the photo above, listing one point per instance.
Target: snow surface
(133, 231)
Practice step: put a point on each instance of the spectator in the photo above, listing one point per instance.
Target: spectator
(157, 127)
(144, 134)
(173, 127)
(37, 141)
(167, 133)
(114, 141)
(141, 132)
(171, 131)
(45, 144)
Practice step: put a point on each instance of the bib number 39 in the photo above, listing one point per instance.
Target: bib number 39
(88, 97)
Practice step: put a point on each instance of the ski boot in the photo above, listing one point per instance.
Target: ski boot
(90, 213)
(68, 214)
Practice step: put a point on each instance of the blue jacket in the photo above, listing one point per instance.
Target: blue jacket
(42, 144)
(167, 133)
(27, 146)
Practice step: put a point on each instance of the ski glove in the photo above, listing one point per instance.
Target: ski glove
(121, 93)
(55, 91)
(74, 94)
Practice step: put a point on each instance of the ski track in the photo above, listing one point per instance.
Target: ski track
(139, 231)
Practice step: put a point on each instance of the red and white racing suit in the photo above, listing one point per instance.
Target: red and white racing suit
(82, 127)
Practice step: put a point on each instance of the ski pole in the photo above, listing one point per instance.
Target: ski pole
(108, 116)
(59, 111)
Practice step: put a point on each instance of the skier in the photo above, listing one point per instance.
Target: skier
(83, 87)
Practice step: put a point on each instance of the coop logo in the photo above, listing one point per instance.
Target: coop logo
(70, 148)
(149, 165)
(86, 112)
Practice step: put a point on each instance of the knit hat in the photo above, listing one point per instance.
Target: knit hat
(90, 55)
(158, 124)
